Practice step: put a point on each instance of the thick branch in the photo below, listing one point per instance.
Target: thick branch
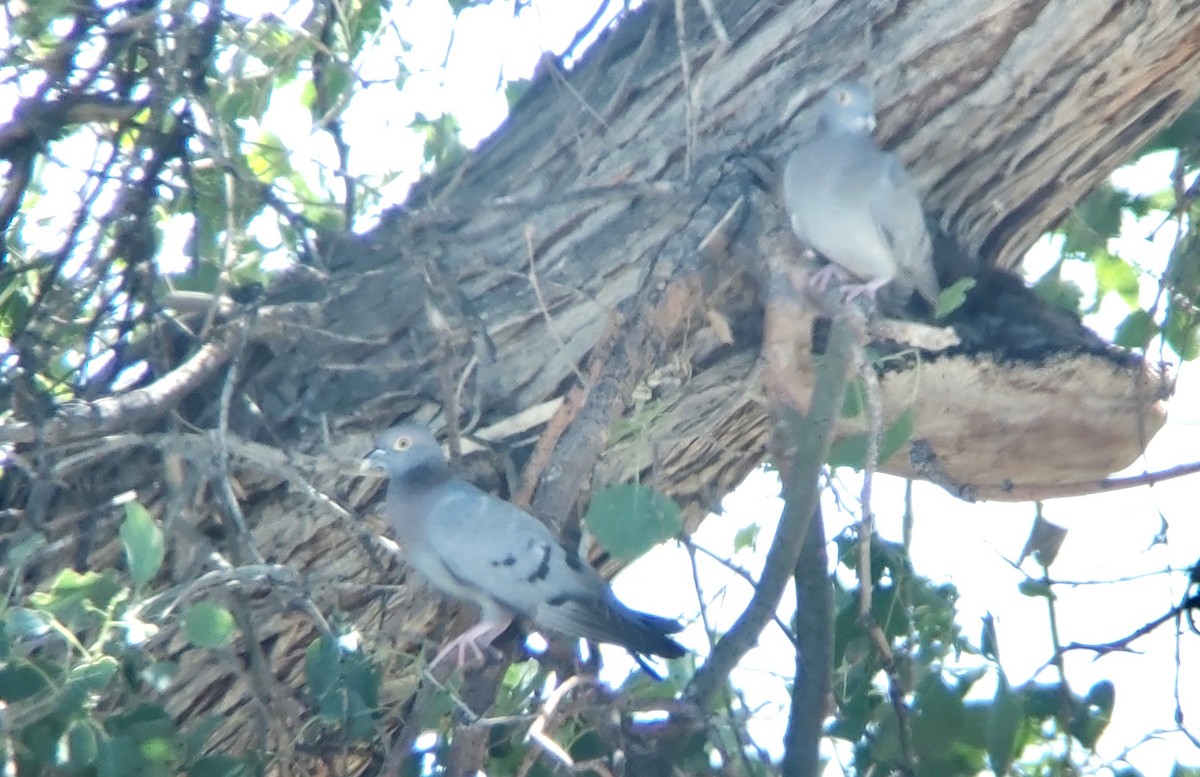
(115, 414)
(806, 440)
(814, 654)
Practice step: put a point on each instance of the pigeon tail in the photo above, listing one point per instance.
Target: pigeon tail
(610, 621)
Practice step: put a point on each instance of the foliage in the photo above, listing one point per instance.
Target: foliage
(1088, 246)
(86, 692)
(628, 519)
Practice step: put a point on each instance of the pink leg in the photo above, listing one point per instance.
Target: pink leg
(869, 290)
(826, 275)
(471, 643)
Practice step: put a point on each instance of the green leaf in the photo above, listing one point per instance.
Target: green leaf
(208, 625)
(81, 745)
(514, 91)
(19, 680)
(855, 400)
(94, 675)
(1180, 332)
(246, 97)
(1094, 221)
(849, 451)
(1034, 588)
(321, 666)
(72, 588)
(989, 644)
(953, 297)
(1136, 331)
(629, 519)
(18, 554)
(118, 757)
(1093, 714)
(268, 158)
(1003, 726)
(21, 624)
(852, 451)
(1058, 292)
(143, 541)
(1114, 274)
(344, 685)
(442, 144)
(746, 537)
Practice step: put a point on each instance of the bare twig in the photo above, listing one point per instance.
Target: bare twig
(714, 19)
(541, 300)
(547, 718)
(692, 548)
(866, 576)
(689, 98)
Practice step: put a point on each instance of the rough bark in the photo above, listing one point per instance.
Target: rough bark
(570, 251)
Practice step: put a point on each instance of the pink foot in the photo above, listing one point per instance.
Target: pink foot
(853, 291)
(471, 644)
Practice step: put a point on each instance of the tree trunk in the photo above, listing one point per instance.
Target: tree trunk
(591, 271)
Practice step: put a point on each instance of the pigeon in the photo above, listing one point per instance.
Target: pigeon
(855, 204)
(479, 548)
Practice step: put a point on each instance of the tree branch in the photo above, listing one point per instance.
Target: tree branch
(814, 654)
(113, 414)
(805, 441)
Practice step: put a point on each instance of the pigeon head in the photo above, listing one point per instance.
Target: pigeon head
(849, 107)
(404, 449)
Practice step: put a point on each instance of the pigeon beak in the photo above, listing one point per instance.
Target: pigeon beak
(373, 460)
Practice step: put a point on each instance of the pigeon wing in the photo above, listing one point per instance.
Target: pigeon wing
(828, 186)
(495, 547)
(895, 204)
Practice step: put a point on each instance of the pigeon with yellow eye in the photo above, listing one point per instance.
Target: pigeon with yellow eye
(479, 548)
(854, 203)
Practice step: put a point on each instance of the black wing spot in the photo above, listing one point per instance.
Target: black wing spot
(507, 561)
(543, 568)
(574, 562)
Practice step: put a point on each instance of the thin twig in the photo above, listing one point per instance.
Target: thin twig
(735, 569)
(537, 293)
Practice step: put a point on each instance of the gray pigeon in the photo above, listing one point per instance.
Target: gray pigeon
(480, 548)
(855, 204)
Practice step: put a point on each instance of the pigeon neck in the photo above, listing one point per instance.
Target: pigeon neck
(843, 129)
(426, 475)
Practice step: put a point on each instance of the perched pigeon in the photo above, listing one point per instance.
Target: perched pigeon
(476, 547)
(855, 204)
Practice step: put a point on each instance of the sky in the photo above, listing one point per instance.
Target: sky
(458, 67)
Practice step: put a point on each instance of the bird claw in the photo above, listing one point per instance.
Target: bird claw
(471, 645)
(821, 280)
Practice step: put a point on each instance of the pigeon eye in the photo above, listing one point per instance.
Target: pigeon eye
(843, 97)
(402, 443)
